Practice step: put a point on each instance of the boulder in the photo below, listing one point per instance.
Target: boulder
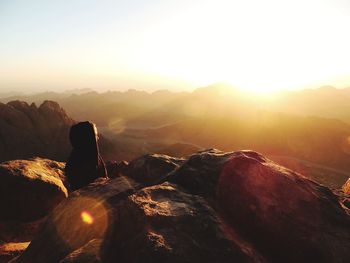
(89, 253)
(163, 224)
(287, 217)
(9, 251)
(212, 207)
(151, 168)
(199, 174)
(16, 231)
(30, 189)
(83, 216)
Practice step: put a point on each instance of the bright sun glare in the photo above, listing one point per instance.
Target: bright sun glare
(261, 46)
(256, 45)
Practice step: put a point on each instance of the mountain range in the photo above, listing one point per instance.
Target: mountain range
(306, 130)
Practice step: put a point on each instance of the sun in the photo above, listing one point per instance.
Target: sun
(258, 51)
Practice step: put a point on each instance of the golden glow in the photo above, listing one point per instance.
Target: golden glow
(87, 218)
(82, 217)
(259, 46)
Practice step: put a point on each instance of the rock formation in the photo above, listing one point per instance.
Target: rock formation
(87, 254)
(84, 216)
(11, 250)
(220, 206)
(278, 210)
(345, 194)
(27, 131)
(212, 207)
(346, 187)
(30, 189)
(150, 169)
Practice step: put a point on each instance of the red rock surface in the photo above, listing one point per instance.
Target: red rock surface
(9, 251)
(287, 217)
(214, 207)
(151, 168)
(89, 253)
(66, 230)
(30, 189)
(346, 187)
(163, 224)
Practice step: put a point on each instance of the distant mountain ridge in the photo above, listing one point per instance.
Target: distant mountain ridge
(324, 102)
(308, 129)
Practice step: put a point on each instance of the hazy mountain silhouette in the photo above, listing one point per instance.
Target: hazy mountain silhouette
(302, 129)
(325, 102)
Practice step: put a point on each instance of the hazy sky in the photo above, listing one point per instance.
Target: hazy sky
(176, 44)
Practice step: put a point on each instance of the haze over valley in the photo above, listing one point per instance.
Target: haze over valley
(307, 130)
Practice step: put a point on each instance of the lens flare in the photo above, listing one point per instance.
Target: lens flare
(87, 218)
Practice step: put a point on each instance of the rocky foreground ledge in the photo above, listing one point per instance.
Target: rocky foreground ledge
(211, 207)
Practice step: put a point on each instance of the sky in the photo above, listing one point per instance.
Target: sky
(174, 44)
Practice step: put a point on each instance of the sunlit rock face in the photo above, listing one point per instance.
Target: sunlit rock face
(346, 187)
(211, 207)
(27, 131)
(30, 189)
(10, 250)
(287, 217)
(346, 194)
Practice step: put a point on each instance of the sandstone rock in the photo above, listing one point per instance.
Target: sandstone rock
(200, 173)
(8, 251)
(346, 187)
(16, 232)
(163, 224)
(122, 167)
(89, 253)
(38, 131)
(84, 216)
(346, 203)
(215, 207)
(287, 217)
(150, 169)
(30, 189)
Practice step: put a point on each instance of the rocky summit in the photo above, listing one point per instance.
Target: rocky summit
(211, 207)
(27, 131)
